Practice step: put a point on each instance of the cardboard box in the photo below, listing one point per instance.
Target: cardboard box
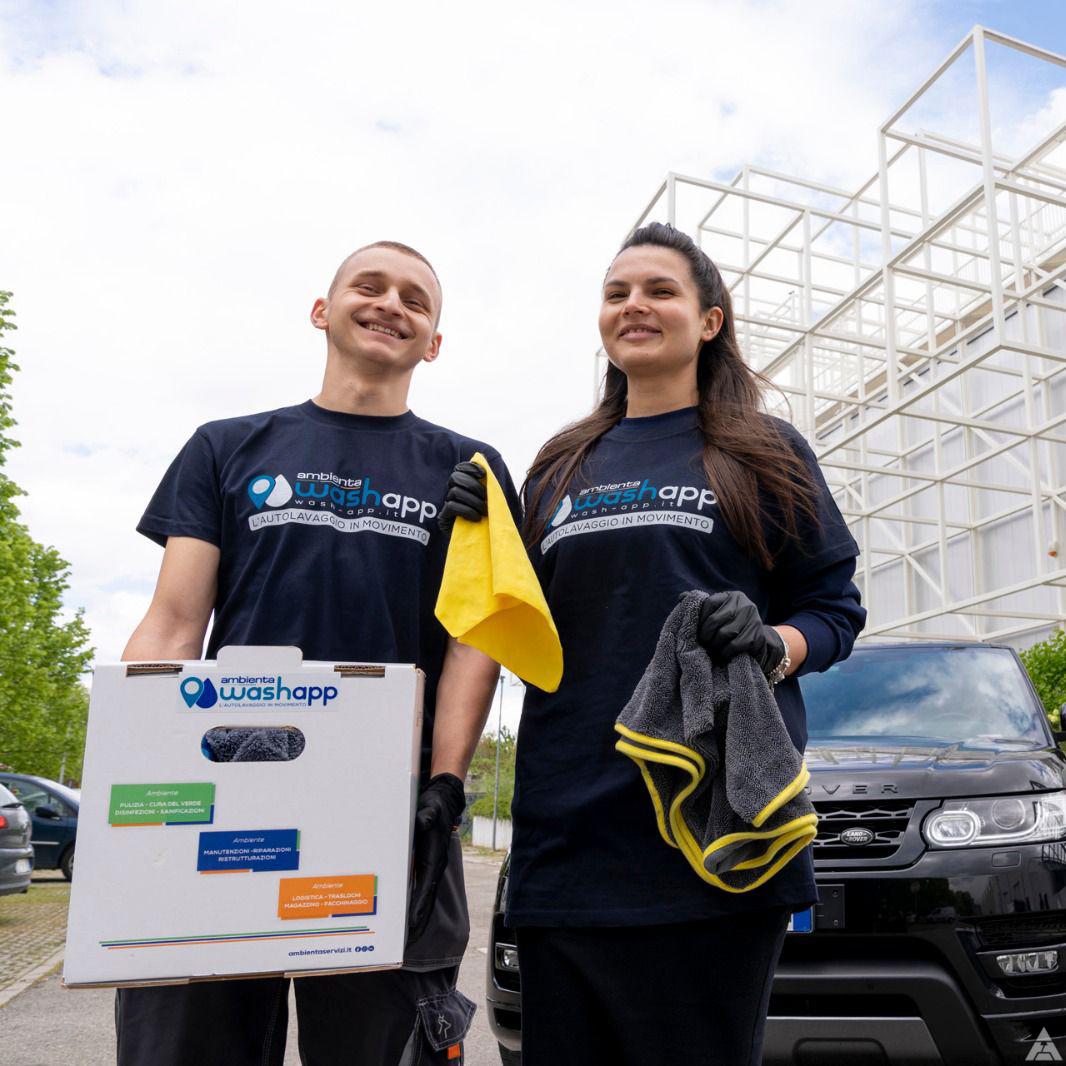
(190, 869)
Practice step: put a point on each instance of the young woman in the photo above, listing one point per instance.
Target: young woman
(676, 481)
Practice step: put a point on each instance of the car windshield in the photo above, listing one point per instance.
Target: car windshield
(73, 795)
(972, 696)
(6, 798)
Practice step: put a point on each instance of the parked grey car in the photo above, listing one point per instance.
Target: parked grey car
(16, 852)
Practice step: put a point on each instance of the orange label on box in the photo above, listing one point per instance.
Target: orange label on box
(328, 897)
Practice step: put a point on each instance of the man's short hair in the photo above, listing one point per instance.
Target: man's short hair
(396, 246)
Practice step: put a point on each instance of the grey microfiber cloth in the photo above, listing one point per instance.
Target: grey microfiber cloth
(252, 744)
(725, 780)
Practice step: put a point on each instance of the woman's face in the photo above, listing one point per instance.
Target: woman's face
(650, 318)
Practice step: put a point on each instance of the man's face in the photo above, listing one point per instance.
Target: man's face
(382, 310)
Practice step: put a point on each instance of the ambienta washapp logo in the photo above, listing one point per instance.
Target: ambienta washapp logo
(198, 692)
(325, 488)
(273, 491)
(240, 691)
(629, 496)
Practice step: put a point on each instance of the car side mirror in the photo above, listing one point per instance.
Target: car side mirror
(46, 812)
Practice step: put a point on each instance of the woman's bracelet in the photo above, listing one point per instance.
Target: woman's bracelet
(780, 672)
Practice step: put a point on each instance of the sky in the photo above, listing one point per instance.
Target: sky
(179, 183)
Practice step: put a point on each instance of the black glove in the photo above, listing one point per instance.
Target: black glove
(440, 806)
(466, 496)
(730, 625)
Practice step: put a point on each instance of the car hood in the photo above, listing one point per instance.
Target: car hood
(914, 771)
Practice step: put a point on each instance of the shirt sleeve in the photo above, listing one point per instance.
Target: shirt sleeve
(188, 501)
(503, 476)
(813, 590)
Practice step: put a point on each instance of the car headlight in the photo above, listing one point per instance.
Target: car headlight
(1005, 820)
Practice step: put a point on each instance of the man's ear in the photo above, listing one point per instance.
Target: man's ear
(433, 350)
(319, 311)
(712, 323)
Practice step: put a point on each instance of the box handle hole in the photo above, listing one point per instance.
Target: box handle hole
(252, 743)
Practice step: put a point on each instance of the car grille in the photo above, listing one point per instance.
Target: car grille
(1021, 930)
(886, 819)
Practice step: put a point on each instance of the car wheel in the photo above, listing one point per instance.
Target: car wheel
(66, 864)
(509, 1057)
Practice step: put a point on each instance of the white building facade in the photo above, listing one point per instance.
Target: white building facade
(915, 329)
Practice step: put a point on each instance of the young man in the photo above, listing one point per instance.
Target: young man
(317, 526)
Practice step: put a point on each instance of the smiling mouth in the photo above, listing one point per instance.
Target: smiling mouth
(637, 333)
(377, 327)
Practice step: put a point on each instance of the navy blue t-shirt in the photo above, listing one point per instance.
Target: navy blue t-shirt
(639, 528)
(328, 533)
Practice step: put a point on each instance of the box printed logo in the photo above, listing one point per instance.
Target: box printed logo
(197, 692)
(240, 692)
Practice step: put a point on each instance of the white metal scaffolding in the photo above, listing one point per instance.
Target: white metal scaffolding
(916, 329)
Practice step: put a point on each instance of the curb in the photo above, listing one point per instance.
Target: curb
(484, 857)
(20, 984)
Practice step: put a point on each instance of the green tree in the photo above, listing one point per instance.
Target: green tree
(1046, 663)
(43, 703)
(482, 776)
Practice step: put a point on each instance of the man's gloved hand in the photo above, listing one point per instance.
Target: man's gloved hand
(730, 625)
(466, 496)
(440, 806)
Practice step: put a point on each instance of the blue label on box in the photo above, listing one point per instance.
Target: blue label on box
(244, 850)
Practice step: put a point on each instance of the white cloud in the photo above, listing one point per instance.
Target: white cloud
(180, 181)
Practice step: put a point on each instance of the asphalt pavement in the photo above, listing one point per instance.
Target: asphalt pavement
(48, 1025)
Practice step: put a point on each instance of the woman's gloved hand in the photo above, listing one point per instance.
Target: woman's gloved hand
(730, 625)
(466, 496)
(440, 806)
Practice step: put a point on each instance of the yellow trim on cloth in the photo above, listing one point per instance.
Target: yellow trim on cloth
(490, 597)
(783, 842)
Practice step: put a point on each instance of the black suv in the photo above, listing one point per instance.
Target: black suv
(940, 937)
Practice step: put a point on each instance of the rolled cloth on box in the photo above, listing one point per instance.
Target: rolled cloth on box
(491, 599)
(252, 744)
(724, 777)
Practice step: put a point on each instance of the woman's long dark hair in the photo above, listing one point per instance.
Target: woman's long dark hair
(745, 455)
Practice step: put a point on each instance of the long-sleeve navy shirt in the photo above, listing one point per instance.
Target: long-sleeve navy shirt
(640, 528)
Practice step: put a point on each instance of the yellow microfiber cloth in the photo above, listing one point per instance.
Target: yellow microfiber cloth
(490, 597)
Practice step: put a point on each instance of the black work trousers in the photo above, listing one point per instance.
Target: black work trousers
(659, 995)
(391, 1018)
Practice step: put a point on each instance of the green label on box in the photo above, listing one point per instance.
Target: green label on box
(177, 804)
